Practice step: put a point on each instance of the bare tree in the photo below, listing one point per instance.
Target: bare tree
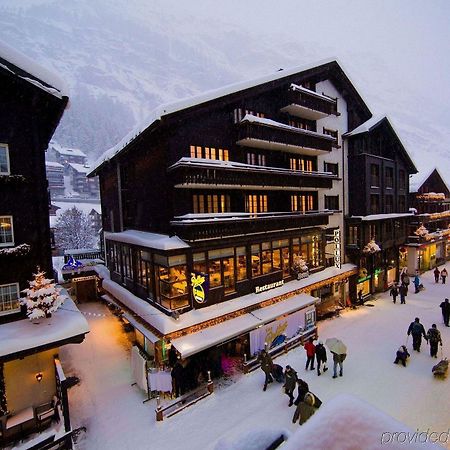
(73, 230)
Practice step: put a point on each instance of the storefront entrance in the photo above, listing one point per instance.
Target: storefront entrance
(85, 289)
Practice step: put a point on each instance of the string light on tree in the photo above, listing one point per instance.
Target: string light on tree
(42, 297)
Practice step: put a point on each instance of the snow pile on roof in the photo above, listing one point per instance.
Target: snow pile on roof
(169, 108)
(296, 87)
(417, 180)
(346, 422)
(42, 77)
(53, 164)
(66, 150)
(65, 323)
(255, 439)
(80, 168)
(366, 126)
(382, 216)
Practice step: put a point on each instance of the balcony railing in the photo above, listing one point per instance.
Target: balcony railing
(309, 104)
(271, 135)
(195, 227)
(201, 173)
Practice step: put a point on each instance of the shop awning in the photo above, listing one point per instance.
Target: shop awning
(196, 342)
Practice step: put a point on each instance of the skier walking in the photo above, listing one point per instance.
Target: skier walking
(417, 330)
(310, 353)
(444, 275)
(436, 274)
(290, 376)
(267, 367)
(321, 357)
(445, 307)
(434, 338)
(394, 293)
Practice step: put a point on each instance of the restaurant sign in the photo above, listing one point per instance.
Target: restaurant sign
(266, 287)
(200, 285)
(337, 248)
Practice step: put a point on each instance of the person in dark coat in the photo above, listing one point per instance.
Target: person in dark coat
(403, 291)
(417, 330)
(321, 357)
(436, 272)
(402, 355)
(173, 356)
(290, 377)
(178, 379)
(394, 293)
(277, 373)
(444, 275)
(305, 409)
(434, 338)
(310, 353)
(338, 360)
(302, 390)
(445, 307)
(267, 367)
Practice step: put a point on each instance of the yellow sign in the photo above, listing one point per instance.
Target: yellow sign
(198, 292)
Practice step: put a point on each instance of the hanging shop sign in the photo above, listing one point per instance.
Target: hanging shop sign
(337, 248)
(200, 286)
(266, 287)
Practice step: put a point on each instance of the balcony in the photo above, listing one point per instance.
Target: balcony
(198, 227)
(271, 135)
(194, 173)
(308, 104)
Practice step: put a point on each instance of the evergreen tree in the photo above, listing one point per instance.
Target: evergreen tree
(73, 230)
(42, 297)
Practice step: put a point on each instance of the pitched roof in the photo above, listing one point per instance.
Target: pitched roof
(418, 180)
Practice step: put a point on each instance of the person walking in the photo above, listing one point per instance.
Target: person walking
(417, 330)
(403, 291)
(445, 306)
(290, 377)
(434, 338)
(302, 390)
(305, 409)
(338, 360)
(321, 357)
(310, 353)
(394, 293)
(266, 362)
(436, 272)
(416, 284)
(444, 275)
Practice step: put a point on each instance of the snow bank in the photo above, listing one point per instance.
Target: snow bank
(253, 440)
(346, 422)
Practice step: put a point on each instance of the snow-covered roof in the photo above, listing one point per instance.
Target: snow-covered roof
(296, 87)
(68, 151)
(158, 113)
(274, 124)
(53, 164)
(382, 216)
(418, 179)
(347, 422)
(366, 126)
(11, 60)
(149, 240)
(80, 168)
(67, 322)
(216, 334)
(166, 325)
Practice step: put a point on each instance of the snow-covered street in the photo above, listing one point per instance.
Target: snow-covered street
(115, 417)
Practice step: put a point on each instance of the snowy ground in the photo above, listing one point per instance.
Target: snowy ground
(115, 417)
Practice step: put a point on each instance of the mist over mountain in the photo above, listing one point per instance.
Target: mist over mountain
(121, 59)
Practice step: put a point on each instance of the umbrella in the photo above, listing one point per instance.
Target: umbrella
(336, 346)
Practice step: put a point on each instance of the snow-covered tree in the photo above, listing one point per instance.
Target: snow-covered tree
(73, 230)
(42, 297)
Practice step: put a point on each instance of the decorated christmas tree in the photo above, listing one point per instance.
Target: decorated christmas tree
(42, 297)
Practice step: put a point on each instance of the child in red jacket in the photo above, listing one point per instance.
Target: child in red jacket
(310, 353)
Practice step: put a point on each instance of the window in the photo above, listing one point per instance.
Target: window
(221, 264)
(9, 298)
(4, 160)
(304, 124)
(256, 159)
(267, 257)
(352, 235)
(374, 204)
(256, 203)
(401, 203)
(209, 153)
(304, 164)
(144, 274)
(332, 133)
(389, 204)
(389, 177)
(374, 175)
(303, 202)
(213, 203)
(331, 167)
(6, 231)
(332, 202)
(401, 179)
(372, 231)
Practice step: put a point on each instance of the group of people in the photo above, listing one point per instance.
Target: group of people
(306, 402)
(319, 352)
(443, 274)
(433, 337)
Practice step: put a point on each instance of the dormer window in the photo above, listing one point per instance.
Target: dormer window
(4, 160)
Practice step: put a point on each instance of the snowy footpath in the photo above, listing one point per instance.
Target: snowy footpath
(115, 417)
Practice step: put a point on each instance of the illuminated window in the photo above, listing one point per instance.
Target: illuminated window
(6, 231)
(9, 298)
(213, 203)
(4, 160)
(304, 164)
(256, 159)
(256, 203)
(209, 153)
(303, 202)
